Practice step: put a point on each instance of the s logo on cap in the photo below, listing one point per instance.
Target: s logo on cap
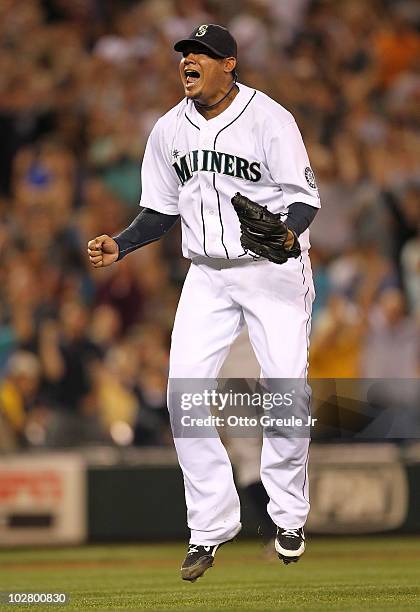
(202, 30)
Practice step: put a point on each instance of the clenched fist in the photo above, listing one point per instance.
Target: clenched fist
(102, 251)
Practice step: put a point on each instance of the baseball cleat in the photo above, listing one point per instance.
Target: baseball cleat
(198, 560)
(289, 544)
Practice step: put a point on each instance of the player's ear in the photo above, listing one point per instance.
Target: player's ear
(230, 63)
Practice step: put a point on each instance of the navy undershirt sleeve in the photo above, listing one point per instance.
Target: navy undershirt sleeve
(300, 216)
(148, 226)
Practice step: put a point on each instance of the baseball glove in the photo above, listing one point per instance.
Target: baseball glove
(263, 232)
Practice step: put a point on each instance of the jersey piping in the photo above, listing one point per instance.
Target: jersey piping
(306, 369)
(204, 228)
(233, 120)
(214, 179)
(196, 126)
(214, 175)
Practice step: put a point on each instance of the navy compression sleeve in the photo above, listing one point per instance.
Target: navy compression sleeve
(300, 216)
(148, 226)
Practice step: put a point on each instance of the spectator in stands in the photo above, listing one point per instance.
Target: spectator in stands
(336, 342)
(66, 353)
(391, 346)
(20, 400)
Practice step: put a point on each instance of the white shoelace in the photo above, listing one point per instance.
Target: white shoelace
(192, 549)
(291, 533)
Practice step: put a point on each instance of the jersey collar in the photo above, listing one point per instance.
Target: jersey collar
(227, 116)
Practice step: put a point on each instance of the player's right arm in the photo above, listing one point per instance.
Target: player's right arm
(147, 227)
(158, 206)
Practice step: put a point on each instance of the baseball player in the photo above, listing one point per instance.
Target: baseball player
(231, 164)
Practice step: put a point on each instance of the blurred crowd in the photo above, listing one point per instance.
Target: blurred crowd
(84, 352)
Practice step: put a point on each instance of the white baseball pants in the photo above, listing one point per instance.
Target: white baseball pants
(274, 301)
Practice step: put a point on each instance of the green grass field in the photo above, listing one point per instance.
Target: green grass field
(334, 574)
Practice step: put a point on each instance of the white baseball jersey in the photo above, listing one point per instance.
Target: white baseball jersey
(193, 167)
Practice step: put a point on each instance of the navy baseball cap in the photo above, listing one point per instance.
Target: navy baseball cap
(216, 38)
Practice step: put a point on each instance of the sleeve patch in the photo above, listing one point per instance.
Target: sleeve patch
(310, 178)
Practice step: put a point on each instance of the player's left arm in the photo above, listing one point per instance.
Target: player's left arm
(289, 166)
(299, 218)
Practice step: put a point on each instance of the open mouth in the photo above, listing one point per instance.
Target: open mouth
(191, 76)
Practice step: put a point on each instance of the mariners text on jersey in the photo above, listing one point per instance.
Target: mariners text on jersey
(215, 161)
(193, 167)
